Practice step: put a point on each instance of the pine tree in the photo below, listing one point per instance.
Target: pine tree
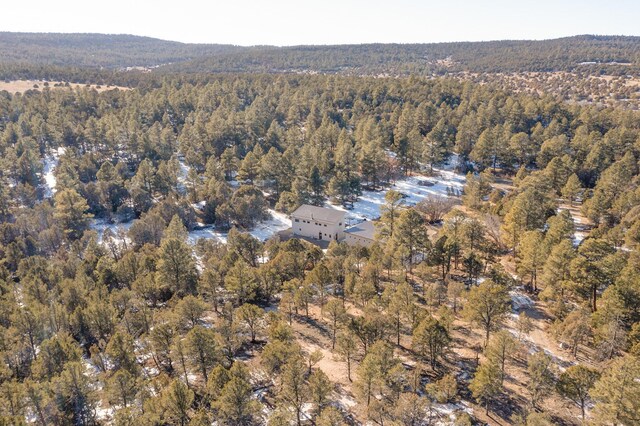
(189, 311)
(235, 404)
(575, 383)
(411, 236)
(487, 305)
(485, 385)
(71, 212)
(249, 168)
(389, 213)
(251, 315)
(120, 350)
(176, 266)
(557, 268)
(541, 378)
(431, 340)
(530, 256)
(320, 388)
(294, 389)
(122, 388)
(241, 281)
(500, 349)
(571, 190)
(490, 149)
(559, 227)
(335, 311)
(177, 400)
(75, 395)
(202, 350)
(346, 348)
(617, 393)
(368, 378)
(528, 212)
(593, 269)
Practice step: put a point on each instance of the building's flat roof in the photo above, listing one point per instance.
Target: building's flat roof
(323, 214)
(365, 229)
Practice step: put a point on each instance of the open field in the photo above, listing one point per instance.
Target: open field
(21, 86)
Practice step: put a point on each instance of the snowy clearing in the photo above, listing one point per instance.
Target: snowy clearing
(119, 229)
(265, 230)
(49, 165)
(415, 188)
(520, 301)
(579, 224)
(262, 231)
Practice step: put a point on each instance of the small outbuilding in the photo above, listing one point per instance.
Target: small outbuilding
(361, 234)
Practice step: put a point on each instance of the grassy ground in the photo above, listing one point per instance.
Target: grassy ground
(21, 86)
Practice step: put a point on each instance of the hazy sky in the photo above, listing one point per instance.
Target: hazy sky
(287, 22)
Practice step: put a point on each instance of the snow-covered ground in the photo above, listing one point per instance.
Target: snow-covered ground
(448, 413)
(262, 231)
(49, 165)
(100, 225)
(520, 301)
(183, 174)
(208, 232)
(415, 188)
(580, 232)
(444, 182)
(278, 222)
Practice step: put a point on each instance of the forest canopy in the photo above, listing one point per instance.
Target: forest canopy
(514, 295)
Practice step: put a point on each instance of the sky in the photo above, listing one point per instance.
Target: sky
(293, 22)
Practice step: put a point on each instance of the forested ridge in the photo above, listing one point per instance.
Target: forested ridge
(98, 50)
(617, 54)
(513, 301)
(403, 59)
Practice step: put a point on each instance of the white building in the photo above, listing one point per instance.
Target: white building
(361, 234)
(318, 223)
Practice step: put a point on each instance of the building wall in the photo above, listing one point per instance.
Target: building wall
(354, 240)
(312, 229)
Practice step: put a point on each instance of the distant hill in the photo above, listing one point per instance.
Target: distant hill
(99, 50)
(597, 54)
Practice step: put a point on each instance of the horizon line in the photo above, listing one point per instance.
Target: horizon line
(319, 44)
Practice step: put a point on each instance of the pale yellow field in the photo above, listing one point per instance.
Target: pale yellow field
(21, 86)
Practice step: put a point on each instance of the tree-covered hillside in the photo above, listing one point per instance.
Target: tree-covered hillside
(597, 53)
(98, 50)
(514, 301)
(118, 51)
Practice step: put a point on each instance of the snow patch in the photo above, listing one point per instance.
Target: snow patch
(520, 301)
(278, 222)
(262, 231)
(207, 232)
(119, 230)
(49, 165)
(415, 188)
